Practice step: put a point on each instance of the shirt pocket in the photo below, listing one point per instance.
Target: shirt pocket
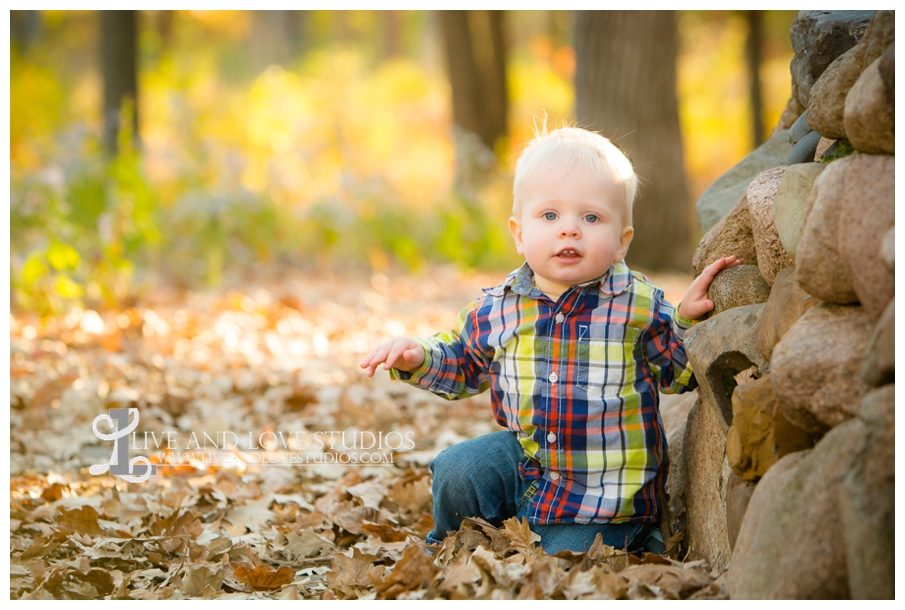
(601, 363)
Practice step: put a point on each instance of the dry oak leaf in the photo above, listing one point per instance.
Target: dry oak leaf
(262, 578)
(655, 581)
(305, 543)
(413, 572)
(197, 578)
(519, 532)
(82, 520)
(350, 571)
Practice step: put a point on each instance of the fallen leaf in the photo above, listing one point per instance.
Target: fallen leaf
(262, 578)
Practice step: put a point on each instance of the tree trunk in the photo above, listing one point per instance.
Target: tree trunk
(476, 57)
(119, 68)
(625, 88)
(271, 33)
(753, 54)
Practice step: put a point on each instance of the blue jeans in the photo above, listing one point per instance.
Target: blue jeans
(480, 478)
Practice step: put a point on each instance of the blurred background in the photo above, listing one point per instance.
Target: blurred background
(194, 147)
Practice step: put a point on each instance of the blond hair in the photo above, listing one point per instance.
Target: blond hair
(570, 147)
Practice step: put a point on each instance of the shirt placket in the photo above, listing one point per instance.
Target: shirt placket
(558, 337)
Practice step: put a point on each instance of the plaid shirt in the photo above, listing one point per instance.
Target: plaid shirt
(577, 380)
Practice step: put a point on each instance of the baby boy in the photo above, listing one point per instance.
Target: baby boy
(574, 347)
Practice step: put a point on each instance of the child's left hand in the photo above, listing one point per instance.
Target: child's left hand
(696, 304)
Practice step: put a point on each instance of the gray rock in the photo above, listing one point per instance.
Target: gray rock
(787, 302)
(726, 191)
(815, 367)
(805, 150)
(820, 267)
(800, 128)
(879, 366)
(790, 205)
(819, 37)
(868, 212)
(731, 235)
(867, 501)
(674, 409)
(870, 117)
(827, 97)
(771, 256)
(718, 349)
(707, 478)
(790, 544)
(737, 287)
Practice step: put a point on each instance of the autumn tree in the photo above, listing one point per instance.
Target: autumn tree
(625, 88)
(119, 69)
(753, 56)
(476, 58)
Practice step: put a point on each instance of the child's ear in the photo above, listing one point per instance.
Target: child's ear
(515, 227)
(624, 241)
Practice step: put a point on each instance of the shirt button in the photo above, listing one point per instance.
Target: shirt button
(553, 378)
(554, 476)
(551, 438)
(560, 318)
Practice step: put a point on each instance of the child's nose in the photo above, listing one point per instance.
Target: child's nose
(569, 229)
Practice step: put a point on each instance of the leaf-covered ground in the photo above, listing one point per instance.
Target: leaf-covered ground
(277, 355)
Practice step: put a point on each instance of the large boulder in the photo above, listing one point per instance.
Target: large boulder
(736, 287)
(867, 501)
(879, 366)
(760, 434)
(870, 115)
(771, 256)
(786, 304)
(719, 348)
(828, 95)
(790, 545)
(738, 494)
(790, 204)
(815, 367)
(706, 482)
(820, 267)
(731, 235)
(674, 409)
(727, 190)
(818, 38)
(868, 212)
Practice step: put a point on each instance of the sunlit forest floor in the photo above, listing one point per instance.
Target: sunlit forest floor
(262, 357)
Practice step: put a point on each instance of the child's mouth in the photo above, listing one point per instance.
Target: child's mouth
(568, 255)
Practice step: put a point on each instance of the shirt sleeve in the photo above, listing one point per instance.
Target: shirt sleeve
(455, 366)
(664, 348)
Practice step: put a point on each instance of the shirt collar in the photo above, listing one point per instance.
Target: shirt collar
(615, 281)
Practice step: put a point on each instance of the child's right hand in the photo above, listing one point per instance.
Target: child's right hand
(399, 352)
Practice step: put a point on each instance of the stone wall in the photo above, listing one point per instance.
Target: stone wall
(785, 467)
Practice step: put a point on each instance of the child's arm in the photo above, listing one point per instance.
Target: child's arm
(450, 364)
(664, 347)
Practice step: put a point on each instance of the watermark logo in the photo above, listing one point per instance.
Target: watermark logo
(139, 469)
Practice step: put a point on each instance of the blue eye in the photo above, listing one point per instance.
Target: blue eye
(550, 215)
(591, 218)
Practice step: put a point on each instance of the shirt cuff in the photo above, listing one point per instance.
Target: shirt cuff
(682, 321)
